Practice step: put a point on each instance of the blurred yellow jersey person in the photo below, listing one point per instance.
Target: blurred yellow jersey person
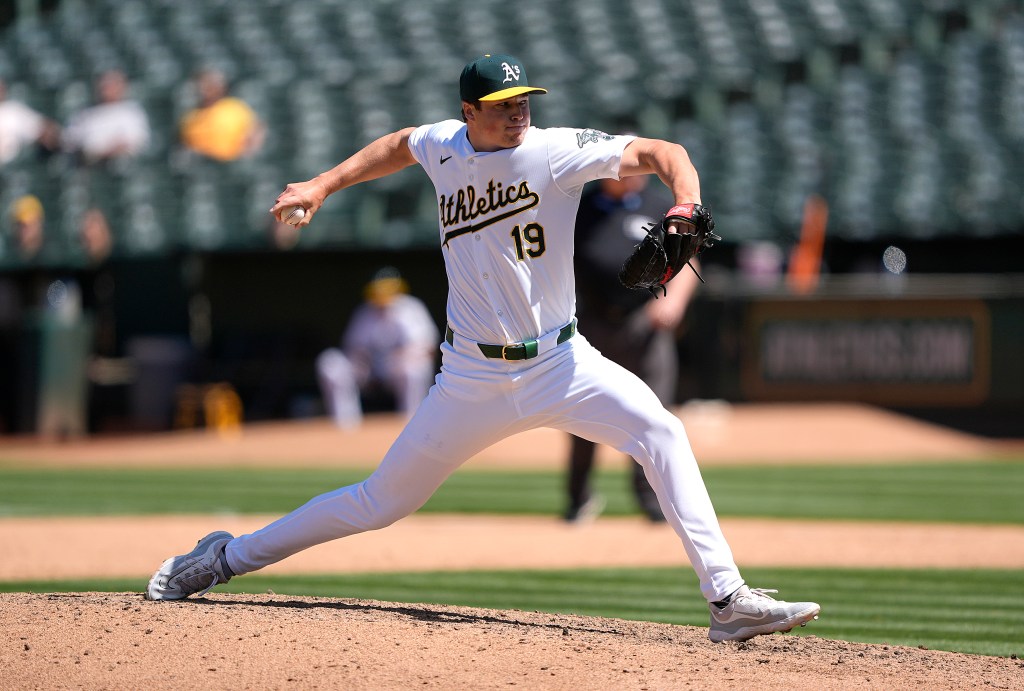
(223, 127)
(220, 131)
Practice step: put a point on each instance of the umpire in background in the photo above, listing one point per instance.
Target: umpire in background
(630, 327)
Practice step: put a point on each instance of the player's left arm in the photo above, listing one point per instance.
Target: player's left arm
(658, 258)
(667, 160)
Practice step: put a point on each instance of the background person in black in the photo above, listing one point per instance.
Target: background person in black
(627, 326)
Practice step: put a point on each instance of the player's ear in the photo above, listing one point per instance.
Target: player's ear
(467, 111)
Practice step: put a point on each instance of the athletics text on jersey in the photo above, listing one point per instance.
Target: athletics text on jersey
(506, 221)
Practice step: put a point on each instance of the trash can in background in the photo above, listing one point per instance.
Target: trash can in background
(64, 345)
(161, 364)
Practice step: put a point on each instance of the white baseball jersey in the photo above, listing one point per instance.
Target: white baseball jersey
(507, 220)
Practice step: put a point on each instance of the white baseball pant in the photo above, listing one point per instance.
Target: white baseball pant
(476, 402)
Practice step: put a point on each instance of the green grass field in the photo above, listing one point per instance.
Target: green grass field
(977, 611)
(987, 492)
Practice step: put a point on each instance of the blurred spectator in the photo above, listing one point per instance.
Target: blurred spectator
(97, 243)
(760, 263)
(95, 237)
(108, 372)
(27, 219)
(35, 254)
(42, 334)
(629, 327)
(389, 344)
(222, 127)
(20, 126)
(116, 127)
(24, 286)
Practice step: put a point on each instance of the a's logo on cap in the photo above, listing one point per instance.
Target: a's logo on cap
(511, 73)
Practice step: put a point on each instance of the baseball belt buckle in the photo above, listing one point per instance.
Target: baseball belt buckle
(504, 351)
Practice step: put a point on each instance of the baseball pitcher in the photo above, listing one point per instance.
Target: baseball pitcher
(512, 358)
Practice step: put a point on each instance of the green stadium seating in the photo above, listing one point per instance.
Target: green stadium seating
(913, 111)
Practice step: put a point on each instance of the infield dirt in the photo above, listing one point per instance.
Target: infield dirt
(120, 641)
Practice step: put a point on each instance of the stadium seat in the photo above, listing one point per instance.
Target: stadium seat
(899, 106)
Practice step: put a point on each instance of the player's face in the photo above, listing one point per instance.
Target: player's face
(498, 124)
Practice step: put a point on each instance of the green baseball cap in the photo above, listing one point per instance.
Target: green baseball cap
(495, 78)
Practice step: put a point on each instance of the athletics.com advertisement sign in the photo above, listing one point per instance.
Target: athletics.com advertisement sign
(908, 352)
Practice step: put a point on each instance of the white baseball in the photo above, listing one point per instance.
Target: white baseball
(894, 259)
(293, 215)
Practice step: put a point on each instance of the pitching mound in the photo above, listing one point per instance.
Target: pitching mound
(99, 640)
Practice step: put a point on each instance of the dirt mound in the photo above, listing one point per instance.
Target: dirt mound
(99, 640)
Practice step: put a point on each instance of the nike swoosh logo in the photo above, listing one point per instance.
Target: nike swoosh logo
(444, 158)
(737, 616)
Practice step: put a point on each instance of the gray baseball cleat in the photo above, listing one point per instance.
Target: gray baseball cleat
(751, 612)
(195, 572)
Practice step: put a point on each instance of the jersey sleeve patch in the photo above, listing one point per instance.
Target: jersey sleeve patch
(577, 156)
(591, 137)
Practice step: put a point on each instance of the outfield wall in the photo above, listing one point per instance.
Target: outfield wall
(941, 346)
(938, 345)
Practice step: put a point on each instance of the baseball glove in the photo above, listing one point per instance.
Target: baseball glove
(659, 257)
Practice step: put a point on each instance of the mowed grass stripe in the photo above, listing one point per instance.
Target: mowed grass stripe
(977, 492)
(936, 492)
(973, 611)
(142, 491)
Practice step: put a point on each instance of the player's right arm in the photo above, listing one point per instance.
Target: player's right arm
(380, 158)
(666, 313)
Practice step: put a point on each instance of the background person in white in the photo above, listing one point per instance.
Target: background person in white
(116, 127)
(390, 343)
(21, 126)
(511, 360)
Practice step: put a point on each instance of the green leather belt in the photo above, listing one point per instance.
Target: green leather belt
(514, 351)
